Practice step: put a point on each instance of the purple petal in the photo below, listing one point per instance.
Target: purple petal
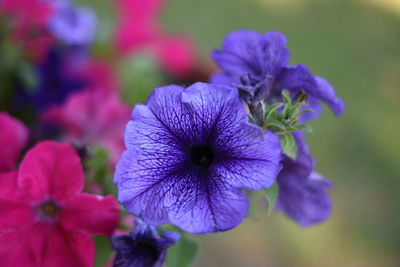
(209, 207)
(276, 56)
(240, 53)
(161, 176)
(302, 192)
(296, 78)
(73, 25)
(252, 161)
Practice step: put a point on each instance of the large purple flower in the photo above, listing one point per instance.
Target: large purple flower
(302, 192)
(143, 247)
(257, 64)
(190, 152)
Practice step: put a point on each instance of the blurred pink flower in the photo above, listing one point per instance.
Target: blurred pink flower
(29, 23)
(46, 221)
(99, 75)
(92, 117)
(138, 31)
(13, 138)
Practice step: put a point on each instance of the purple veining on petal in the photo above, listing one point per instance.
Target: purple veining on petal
(190, 153)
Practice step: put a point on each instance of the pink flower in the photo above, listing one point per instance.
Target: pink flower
(99, 75)
(45, 219)
(13, 138)
(138, 31)
(29, 22)
(93, 117)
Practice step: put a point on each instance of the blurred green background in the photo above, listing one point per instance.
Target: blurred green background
(356, 46)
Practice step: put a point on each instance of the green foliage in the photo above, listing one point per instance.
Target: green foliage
(103, 250)
(289, 146)
(182, 253)
(282, 118)
(270, 194)
(99, 170)
(139, 76)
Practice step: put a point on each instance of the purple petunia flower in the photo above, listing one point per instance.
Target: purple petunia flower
(143, 247)
(190, 152)
(257, 64)
(302, 192)
(71, 24)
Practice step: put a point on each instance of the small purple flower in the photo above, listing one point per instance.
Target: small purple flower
(302, 192)
(143, 247)
(73, 25)
(190, 152)
(257, 64)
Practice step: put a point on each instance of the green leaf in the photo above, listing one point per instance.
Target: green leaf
(286, 111)
(289, 146)
(271, 109)
(182, 253)
(276, 124)
(306, 111)
(103, 250)
(98, 170)
(305, 127)
(271, 194)
(286, 97)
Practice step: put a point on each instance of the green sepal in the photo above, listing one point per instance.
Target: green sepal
(289, 146)
(271, 109)
(271, 195)
(182, 253)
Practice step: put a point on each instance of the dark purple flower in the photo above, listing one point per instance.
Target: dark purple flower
(302, 192)
(71, 24)
(143, 247)
(257, 64)
(190, 152)
(57, 78)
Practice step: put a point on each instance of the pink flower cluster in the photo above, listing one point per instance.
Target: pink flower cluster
(45, 219)
(138, 31)
(29, 19)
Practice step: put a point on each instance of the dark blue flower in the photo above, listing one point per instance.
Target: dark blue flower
(143, 247)
(190, 152)
(71, 24)
(257, 64)
(56, 78)
(302, 192)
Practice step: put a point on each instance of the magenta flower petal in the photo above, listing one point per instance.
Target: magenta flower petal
(15, 209)
(46, 246)
(91, 214)
(93, 117)
(45, 221)
(66, 248)
(51, 170)
(13, 138)
(138, 31)
(176, 54)
(15, 245)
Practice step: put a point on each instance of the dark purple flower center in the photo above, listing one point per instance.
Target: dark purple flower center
(202, 156)
(47, 211)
